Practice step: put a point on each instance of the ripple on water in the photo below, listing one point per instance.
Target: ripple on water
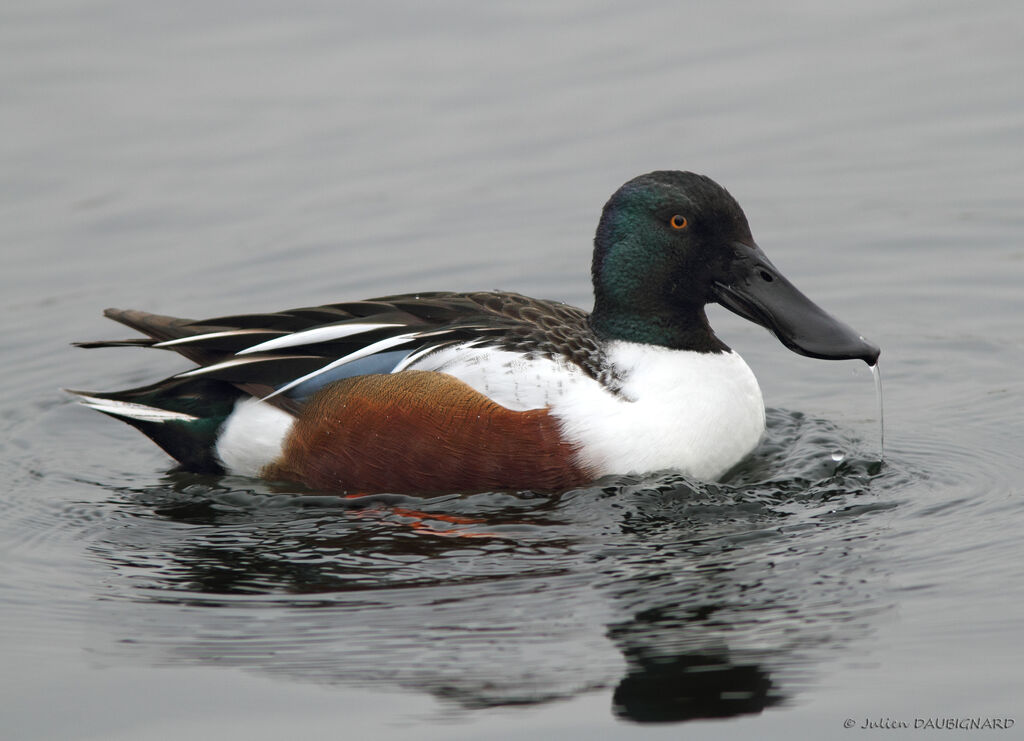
(511, 597)
(499, 597)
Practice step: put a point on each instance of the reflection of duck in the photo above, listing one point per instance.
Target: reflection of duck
(660, 688)
(650, 601)
(467, 392)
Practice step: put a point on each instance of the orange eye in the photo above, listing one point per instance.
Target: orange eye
(678, 222)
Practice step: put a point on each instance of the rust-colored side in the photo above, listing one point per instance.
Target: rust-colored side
(421, 432)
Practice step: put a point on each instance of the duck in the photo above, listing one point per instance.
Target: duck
(445, 392)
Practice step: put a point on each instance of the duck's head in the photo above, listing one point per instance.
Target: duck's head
(671, 242)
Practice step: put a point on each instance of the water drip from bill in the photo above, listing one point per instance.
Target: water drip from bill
(877, 373)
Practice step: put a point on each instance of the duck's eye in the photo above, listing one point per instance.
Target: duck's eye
(678, 222)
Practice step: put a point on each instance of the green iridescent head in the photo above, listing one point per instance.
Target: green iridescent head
(669, 243)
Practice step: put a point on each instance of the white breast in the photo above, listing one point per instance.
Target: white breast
(700, 413)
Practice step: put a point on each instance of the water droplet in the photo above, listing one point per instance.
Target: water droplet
(877, 373)
(838, 457)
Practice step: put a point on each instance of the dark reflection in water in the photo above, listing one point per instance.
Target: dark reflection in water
(689, 686)
(690, 600)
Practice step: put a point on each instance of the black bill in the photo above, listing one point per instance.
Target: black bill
(757, 291)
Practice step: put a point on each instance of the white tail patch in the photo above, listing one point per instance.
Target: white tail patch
(312, 336)
(252, 437)
(134, 411)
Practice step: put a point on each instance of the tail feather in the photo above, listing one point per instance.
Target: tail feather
(129, 410)
(162, 329)
(157, 326)
(182, 416)
(137, 342)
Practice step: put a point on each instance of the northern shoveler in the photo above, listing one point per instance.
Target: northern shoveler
(442, 392)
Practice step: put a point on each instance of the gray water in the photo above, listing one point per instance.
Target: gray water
(209, 158)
